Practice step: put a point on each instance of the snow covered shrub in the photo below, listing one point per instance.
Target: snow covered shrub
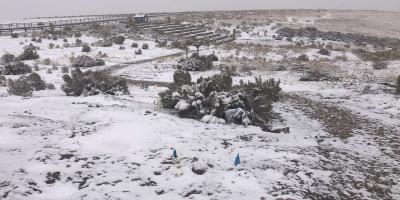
(215, 100)
(86, 61)
(65, 40)
(50, 86)
(78, 34)
(16, 68)
(19, 87)
(138, 52)
(178, 44)
(49, 71)
(86, 48)
(378, 65)
(121, 48)
(64, 70)
(182, 77)
(36, 82)
(196, 63)
(341, 58)
(3, 81)
(119, 39)
(303, 58)
(318, 75)
(7, 58)
(145, 46)
(28, 54)
(213, 57)
(324, 52)
(104, 43)
(54, 65)
(101, 55)
(14, 35)
(78, 43)
(36, 66)
(134, 45)
(46, 61)
(93, 83)
(170, 97)
(228, 69)
(51, 45)
(162, 42)
(39, 40)
(375, 56)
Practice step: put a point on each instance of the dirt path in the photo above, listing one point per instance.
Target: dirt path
(380, 173)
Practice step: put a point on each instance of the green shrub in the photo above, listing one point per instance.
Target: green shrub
(87, 61)
(376, 56)
(16, 68)
(46, 61)
(64, 70)
(379, 65)
(20, 87)
(50, 86)
(303, 58)
(197, 63)
(134, 45)
(182, 77)
(119, 39)
(78, 34)
(14, 35)
(28, 54)
(3, 81)
(318, 75)
(138, 52)
(92, 83)
(86, 48)
(7, 58)
(161, 42)
(324, 52)
(36, 82)
(107, 43)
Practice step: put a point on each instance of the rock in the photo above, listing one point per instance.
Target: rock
(281, 130)
(52, 177)
(159, 192)
(199, 167)
(193, 192)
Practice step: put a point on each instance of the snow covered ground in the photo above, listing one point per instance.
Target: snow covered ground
(343, 141)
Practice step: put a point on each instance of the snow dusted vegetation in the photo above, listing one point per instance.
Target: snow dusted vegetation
(320, 121)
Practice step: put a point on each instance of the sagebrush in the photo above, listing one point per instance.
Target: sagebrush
(92, 83)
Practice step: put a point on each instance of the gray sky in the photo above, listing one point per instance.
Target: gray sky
(14, 9)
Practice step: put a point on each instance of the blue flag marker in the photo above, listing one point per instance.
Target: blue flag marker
(174, 154)
(237, 160)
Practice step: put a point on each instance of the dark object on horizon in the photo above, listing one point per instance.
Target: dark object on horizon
(141, 18)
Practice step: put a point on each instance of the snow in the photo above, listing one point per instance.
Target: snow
(182, 105)
(120, 147)
(209, 119)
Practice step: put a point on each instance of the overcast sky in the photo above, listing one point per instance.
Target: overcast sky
(15, 9)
